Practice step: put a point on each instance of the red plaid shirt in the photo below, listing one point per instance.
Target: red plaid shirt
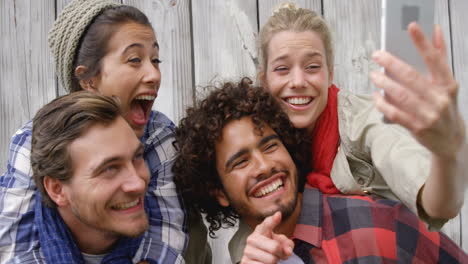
(367, 229)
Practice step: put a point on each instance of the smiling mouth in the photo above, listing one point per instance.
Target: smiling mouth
(270, 188)
(125, 206)
(299, 100)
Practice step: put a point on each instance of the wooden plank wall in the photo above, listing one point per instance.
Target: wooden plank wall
(202, 43)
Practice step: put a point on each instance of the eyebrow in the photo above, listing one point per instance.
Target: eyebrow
(106, 161)
(308, 55)
(155, 45)
(243, 151)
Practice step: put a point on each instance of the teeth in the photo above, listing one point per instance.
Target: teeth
(274, 186)
(145, 97)
(124, 206)
(299, 100)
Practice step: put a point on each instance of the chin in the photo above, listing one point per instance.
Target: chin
(300, 122)
(135, 230)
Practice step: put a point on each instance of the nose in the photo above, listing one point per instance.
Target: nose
(263, 165)
(152, 74)
(297, 78)
(136, 180)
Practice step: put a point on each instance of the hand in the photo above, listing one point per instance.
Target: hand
(264, 246)
(425, 105)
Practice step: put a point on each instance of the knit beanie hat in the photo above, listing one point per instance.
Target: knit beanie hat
(67, 31)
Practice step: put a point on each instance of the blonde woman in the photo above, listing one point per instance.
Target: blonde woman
(353, 150)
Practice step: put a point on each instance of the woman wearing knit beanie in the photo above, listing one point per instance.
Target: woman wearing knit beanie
(111, 49)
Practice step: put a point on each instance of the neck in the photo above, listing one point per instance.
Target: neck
(89, 240)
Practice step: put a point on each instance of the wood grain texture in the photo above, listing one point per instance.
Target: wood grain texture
(27, 77)
(224, 35)
(355, 27)
(459, 37)
(266, 7)
(171, 21)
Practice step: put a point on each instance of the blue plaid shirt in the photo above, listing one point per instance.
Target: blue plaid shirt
(167, 235)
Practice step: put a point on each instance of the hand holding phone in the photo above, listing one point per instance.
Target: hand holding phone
(423, 103)
(396, 16)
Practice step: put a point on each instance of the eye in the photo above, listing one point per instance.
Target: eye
(134, 60)
(239, 163)
(313, 67)
(156, 61)
(109, 170)
(271, 147)
(281, 68)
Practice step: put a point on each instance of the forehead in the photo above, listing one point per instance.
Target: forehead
(100, 142)
(286, 41)
(130, 33)
(239, 134)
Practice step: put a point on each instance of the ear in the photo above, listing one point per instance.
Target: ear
(86, 84)
(221, 197)
(55, 190)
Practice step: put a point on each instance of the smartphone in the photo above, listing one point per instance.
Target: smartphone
(396, 16)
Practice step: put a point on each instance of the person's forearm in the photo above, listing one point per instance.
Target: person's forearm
(442, 195)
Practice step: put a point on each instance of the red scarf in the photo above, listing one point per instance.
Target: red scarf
(325, 140)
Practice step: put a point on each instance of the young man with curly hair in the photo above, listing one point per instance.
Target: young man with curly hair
(238, 159)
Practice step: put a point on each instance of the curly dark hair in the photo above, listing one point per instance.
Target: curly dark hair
(195, 171)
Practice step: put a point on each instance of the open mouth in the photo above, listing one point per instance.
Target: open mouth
(270, 188)
(140, 108)
(126, 205)
(299, 100)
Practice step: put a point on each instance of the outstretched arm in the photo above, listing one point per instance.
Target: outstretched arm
(264, 246)
(427, 106)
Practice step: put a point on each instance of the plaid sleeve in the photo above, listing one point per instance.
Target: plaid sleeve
(166, 214)
(18, 237)
(417, 244)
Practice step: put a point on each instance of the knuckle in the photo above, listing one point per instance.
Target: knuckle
(444, 103)
(410, 75)
(250, 239)
(430, 57)
(400, 95)
(277, 247)
(432, 120)
(453, 89)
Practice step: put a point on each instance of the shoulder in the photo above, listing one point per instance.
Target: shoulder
(23, 134)
(159, 130)
(159, 139)
(19, 165)
(158, 123)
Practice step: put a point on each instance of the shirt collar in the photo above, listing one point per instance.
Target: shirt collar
(238, 241)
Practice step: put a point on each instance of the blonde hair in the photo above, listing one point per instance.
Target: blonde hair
(288, 17)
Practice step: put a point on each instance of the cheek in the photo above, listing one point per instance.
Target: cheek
(274, 85)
